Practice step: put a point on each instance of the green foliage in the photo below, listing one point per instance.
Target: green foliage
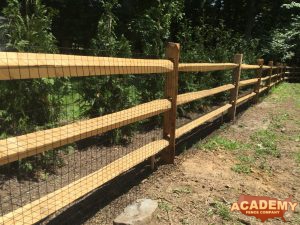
(109, 94)
(285, 40)
(29, 31)
(29, 105)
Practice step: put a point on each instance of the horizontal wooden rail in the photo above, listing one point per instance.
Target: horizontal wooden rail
(192, 96)
(15, 65)
(15, 148)
(195, 123)
(265, 78)
(262, 89)
(266, 67)
(275, 75)
(250, 67)
(45, 206)
(245, 98)
(255, 67)
(205, 67)
(248, 82)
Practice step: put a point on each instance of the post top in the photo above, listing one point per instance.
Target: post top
(260, 61)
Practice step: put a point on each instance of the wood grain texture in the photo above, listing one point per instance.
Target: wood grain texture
(50, 203)
(15, 148)
(170, 92)
(262, 89)
(236, 75)
(15, 65)
(248, 82)
(275, 75)
(257, 85)
(197, 122)
(246, 97)
(205, 67)
(250, 67)
(266, 67)
(192, 96)
(270, 72)
(265, 78)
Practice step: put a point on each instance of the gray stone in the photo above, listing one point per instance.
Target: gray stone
(138, 213)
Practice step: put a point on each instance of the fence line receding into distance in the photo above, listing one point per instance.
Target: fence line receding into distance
(17, 66)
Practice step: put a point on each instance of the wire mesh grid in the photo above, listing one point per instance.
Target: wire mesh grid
(64, 135)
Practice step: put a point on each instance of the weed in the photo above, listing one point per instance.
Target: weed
(217, 143)
(165, 206)
(223, 211)
(277, 120)
(246, 159)
(265, 143)
(241, 168)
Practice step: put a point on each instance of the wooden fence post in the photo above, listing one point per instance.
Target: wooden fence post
(277, 72)
(171, 88)
(284, 71)
(281, 72)
(238, 58)
(259, 72)
(270, 74)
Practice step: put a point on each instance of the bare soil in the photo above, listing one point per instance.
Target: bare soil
(202, 185)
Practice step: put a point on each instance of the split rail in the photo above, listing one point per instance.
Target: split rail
(16, 66)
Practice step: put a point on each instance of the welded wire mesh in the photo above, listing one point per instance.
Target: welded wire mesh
(70, 124)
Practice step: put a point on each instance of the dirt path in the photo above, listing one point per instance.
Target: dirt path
(259, 155)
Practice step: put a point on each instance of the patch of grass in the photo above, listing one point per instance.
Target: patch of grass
(241, 168)
(165, 206)
(245, 164)
(278, 119)
(223, 211)
(218, 143)
(265, 142)
(286, 91)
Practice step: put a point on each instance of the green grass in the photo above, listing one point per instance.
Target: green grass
(278, 119)
(165, 206)
(223, 211)
(265, 143)
(241, 168)
(245, 164)
(286, 91)
(221, 143)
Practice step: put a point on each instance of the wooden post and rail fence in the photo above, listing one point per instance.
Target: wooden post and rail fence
(16, 66)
